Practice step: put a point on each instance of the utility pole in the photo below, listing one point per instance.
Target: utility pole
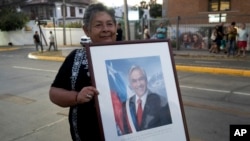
(54, 25)
(64, 32)
(127, 32)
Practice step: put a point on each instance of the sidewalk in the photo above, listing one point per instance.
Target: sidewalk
(226, 65)
(206, 53)
(239, 66)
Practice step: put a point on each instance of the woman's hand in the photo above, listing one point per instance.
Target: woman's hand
(86, 94)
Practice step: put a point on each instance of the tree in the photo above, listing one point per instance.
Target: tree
(12, 20)
(155, 10)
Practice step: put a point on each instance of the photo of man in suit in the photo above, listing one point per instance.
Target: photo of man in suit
(143, 110)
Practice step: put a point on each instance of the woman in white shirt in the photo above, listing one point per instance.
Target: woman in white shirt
(242, 40)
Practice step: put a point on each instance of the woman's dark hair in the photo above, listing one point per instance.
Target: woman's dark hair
(233, 23)
(93, 9)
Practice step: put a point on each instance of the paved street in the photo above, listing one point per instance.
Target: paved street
(211, 102)
(26, 111)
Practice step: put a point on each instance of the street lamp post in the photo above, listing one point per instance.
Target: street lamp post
(127, 32)
(64, 32)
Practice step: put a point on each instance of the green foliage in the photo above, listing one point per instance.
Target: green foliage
(12, 20)
(155, 10)
(72, 25)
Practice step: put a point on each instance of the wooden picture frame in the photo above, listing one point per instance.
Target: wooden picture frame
(163, 117)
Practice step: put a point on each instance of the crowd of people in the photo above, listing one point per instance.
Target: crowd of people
(231, 40)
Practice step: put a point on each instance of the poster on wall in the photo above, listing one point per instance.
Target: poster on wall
(139, 92)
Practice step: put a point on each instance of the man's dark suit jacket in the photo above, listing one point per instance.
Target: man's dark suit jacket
(154, 114)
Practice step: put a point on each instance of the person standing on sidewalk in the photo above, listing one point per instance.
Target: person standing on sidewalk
(146, 34)
(72, 85)
(51, 41)
(242, 40)
(37, 41)
(161, 32)
(232, 33)
(220, 35)
(214, 47)
(119, 32)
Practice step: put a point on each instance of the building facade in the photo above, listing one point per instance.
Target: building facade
(207, 11)
(50, 9)
(190, 22)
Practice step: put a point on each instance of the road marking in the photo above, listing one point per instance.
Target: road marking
(215, 90)
(205, 89)
(241, 93)
(206, 62)
(50, 124)
(232, 111)
(26, 68)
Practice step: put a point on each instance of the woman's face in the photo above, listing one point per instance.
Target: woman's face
(195, 38)
(102, 28)
(185, 37)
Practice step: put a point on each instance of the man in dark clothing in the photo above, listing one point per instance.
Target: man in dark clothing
(220, 34)
(37, 41)
(119, 32)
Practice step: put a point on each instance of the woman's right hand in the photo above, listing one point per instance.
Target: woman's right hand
(86, 94)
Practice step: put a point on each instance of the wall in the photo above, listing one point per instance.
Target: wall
(24, 37)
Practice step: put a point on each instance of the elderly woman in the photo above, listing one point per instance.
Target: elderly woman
(72, 85)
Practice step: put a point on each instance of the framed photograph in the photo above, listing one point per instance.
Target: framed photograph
(139, 92)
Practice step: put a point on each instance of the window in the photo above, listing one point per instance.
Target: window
(72, 12)
(217, 18)
(219, 5)
(49, 12)
(80, 11)
(65, 10)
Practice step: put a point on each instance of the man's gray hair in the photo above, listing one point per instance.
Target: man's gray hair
(136, 67)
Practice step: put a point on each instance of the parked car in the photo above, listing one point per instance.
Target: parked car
(85, 40)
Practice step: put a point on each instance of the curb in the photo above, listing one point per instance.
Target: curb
(236, 72)
(49, 58)
(212, 57)
(8, 49)
(214, 70)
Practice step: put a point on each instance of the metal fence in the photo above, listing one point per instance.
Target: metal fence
(189, 32)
